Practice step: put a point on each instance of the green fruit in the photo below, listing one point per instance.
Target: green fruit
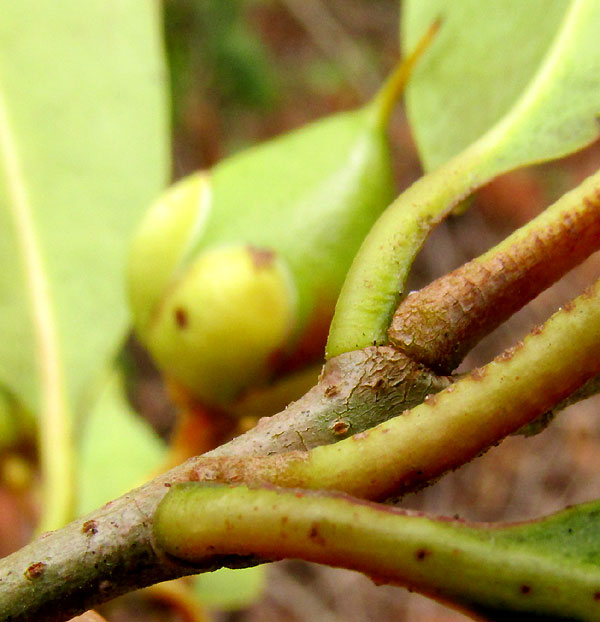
(231, 270)
(232, 310)
(160, 245)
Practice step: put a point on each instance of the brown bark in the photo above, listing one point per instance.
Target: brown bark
(439, 324)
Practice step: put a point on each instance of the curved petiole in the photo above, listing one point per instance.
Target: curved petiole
(549, 567)
(451, 427)
(438, 325)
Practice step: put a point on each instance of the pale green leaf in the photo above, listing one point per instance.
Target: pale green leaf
(486, 57)
(119, 450)
(230, 589)
(83, 149)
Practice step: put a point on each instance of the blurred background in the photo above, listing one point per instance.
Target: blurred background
(243, 71)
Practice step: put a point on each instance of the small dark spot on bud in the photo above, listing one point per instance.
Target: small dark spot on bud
(167, 484)
(181, 317)
(340, 427)
(261, 257)
(35, 571)
(90, 527)
(315, 536)
(596, 595)
(421, 554)
(525, 589)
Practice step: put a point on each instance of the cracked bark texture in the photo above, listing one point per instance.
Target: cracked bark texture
(112, 550)
(356, 391)
(439, 324)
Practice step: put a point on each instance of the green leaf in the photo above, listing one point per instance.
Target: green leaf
(119, 450)
(485, 58)
(83, 151)
(543, 570)
(83, 148)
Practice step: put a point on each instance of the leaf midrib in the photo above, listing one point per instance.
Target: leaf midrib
(54, 422)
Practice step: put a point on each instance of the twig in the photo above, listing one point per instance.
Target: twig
(440, 323)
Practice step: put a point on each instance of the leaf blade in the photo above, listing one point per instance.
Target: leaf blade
(485, 59)
(77, 160)
(84, 146)
(119, 450)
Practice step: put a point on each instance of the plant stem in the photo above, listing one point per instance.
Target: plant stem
(113, 550)
(536, 568)
(440, 323)
(356, 391)
(376, 280)
(462, 421)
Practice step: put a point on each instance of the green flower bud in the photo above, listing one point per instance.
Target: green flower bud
(233, 273)
(219, 325)
(166, 234)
